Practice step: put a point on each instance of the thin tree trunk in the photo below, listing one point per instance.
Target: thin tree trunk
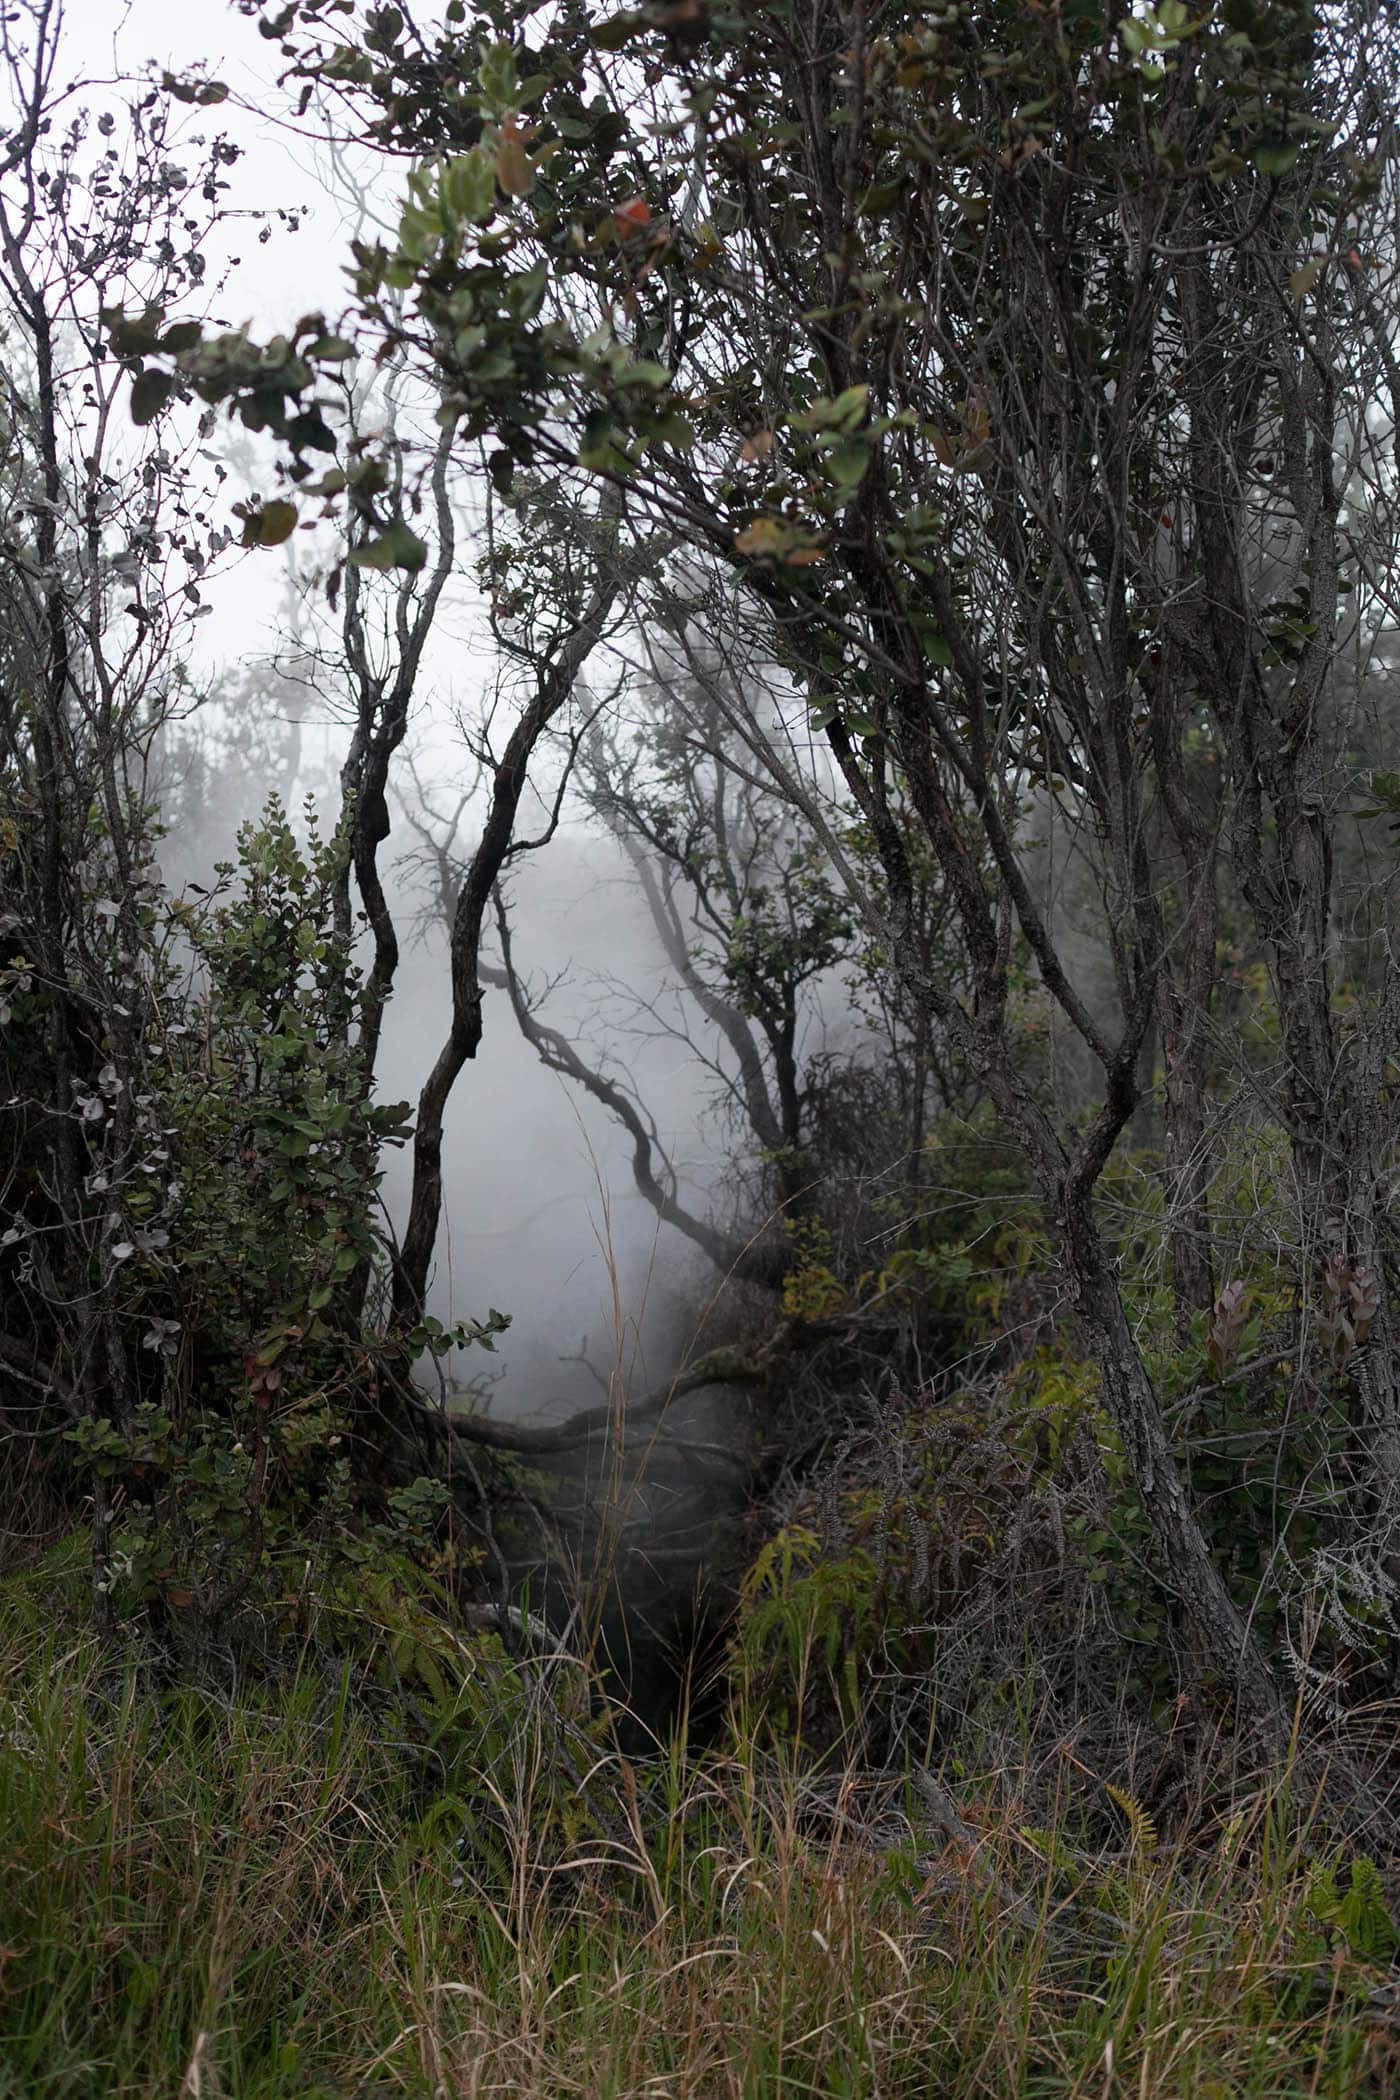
(1183, 1556)
(1183, 1008)
(552, 692)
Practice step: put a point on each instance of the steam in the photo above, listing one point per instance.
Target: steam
(540, 1210)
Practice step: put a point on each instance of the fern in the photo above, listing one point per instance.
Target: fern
(1359, 1918)
(1140, 1823)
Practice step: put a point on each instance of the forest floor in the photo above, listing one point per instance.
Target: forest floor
(265, 1893)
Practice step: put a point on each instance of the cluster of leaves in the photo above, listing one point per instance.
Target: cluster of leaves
(811, 1288)
(271, 1153)
(977, 1531)
(926, 1572)
(257, 1433)
(534, 182)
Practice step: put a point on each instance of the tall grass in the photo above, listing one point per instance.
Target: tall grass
(262, 1894)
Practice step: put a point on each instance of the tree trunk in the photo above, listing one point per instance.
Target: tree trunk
(1183, 1008)
(1183, 1556)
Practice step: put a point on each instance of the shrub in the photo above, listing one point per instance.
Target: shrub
(238, 1148)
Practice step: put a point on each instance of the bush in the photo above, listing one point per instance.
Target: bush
(248, 1442)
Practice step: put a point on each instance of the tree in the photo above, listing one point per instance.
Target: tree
(762, 960)
(747, 924)
(191, 1151)
(101, 578)
(1018, 369)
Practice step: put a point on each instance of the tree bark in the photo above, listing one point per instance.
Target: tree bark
(553, 689)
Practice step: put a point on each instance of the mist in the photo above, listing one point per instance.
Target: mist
(541, 1219)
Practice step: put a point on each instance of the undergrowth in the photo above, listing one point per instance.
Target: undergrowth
(295, 1889)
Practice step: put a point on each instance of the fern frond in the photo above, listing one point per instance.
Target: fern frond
(1140, 1823)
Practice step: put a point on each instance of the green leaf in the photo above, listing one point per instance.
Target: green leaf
(1303, 280)
(524, 293)
(469, 185)
(673, 429)
(1275, 156)
(849, 407)
(645, 373)
(330, 349)
(397, 547)
(132, 335)
(847, 465)
(1364, 1916)
(142, 1982)
(149, 394)
(841, 414)
(498, 79)
(419, 232)
(269, 526)
(617, 30)
(204, 94)
(880, 197)
(597, 448)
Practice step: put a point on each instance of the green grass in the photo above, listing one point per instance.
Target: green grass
(257, 1896)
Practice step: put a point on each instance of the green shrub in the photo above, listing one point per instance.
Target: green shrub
(248, 1449)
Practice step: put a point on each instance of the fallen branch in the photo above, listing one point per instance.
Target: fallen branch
(725, 1366)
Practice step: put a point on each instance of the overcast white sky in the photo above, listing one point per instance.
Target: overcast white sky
(286, 277)
(277, 280)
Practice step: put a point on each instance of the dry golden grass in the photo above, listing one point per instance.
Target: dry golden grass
(267, 1897)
